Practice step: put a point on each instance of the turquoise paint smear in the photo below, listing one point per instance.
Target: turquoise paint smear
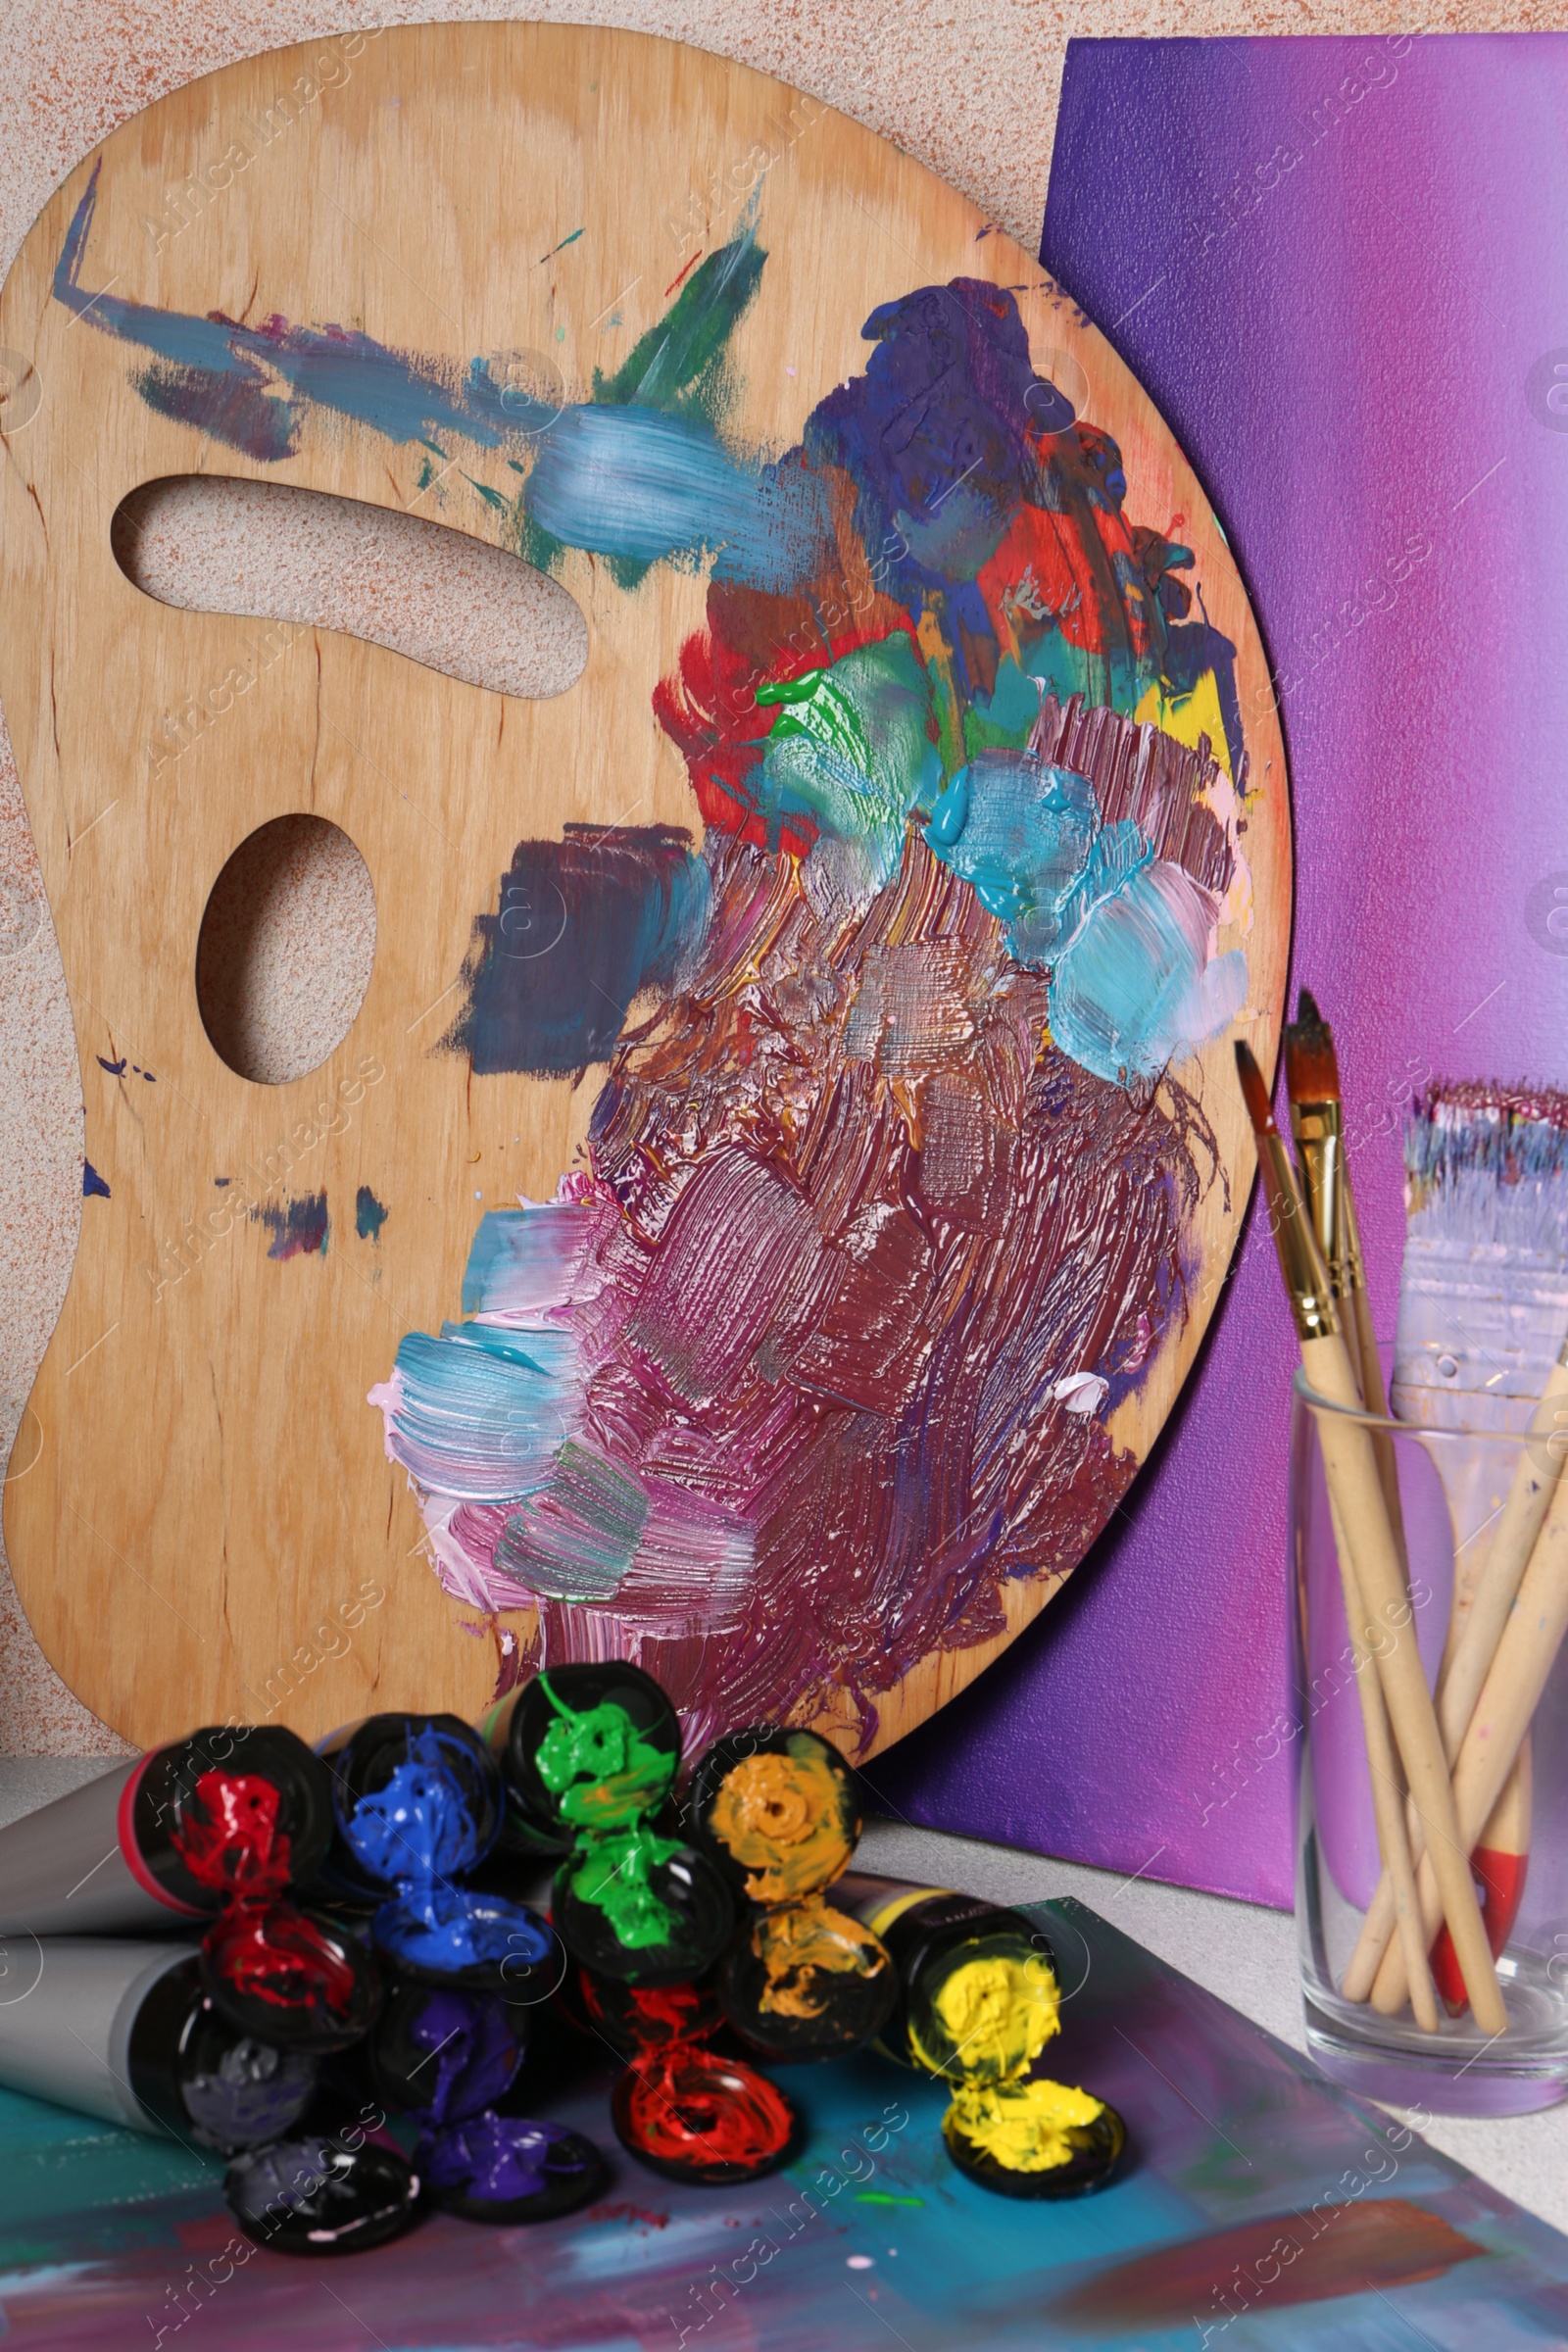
(1133, 990)
(479, 1414)
(1006, 718)
(1020, 833)
(1124, 935)
(370, 1214)
(576, 1538)
(523, 1263)
(852, 749)
(641, 486)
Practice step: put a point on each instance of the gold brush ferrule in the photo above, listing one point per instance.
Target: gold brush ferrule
(1319, 1128)
(1301, 1265)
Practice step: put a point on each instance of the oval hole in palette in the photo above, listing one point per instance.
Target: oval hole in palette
(285, 949)
(212, 543)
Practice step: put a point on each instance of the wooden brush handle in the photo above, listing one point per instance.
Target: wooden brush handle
(1351, 1472)
(1536, 1481)
(1375, 1398)
(1388, 1791)
(1525, 1658)
(1500, 1866)
(1537, 1478)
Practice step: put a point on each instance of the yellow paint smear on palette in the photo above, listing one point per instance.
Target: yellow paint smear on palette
(783, 1818)
(803, 1938)
(1023, 2125)
(1188, 716)
(998, 2013)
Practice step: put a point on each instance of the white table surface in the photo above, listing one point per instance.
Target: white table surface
(1244, 1954)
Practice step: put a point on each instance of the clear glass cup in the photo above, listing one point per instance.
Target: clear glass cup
(1450, 1482)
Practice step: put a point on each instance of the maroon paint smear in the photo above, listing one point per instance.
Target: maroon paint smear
(1290, 2258)
(865, 1217)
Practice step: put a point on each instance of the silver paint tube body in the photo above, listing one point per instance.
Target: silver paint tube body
(67, 2009)
(63, 1871)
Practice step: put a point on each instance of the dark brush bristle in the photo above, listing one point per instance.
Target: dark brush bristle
(1311, 1066)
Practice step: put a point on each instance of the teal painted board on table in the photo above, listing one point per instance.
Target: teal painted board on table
(1263, 2209)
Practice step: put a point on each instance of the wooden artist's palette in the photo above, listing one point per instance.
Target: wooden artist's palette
(896, 1240)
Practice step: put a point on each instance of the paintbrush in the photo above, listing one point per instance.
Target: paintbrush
(1317, 1122)
(1351, 1476)
(1312, 1079)
(1483, 1308)
(1489, 1753)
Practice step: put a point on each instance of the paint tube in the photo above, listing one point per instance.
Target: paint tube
(107, 1858)
(418, 1803)
(978, 2002)
(592, 1751)
(932, 1933)
(780, 1813)
(129, 2031)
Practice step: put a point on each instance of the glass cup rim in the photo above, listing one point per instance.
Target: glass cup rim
(1328, 1407)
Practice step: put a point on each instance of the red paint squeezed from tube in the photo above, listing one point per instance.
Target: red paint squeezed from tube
(230, 1840)
(685, 2104)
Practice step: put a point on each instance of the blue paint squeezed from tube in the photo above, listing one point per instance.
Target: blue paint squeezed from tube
(417, 1833)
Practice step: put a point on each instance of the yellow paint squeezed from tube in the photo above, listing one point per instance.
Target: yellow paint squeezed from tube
(1023, 2125)
(998, 2013)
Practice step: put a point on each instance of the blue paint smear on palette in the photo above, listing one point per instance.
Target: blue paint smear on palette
(581, 926)
(644, 486)
(1124, 935)
(522, 1260)
(219, 375)
(1385, 2243)
(299, 1228)
(92, 1184)
(370, 1214)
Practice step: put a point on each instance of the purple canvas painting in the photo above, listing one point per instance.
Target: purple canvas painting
(1340, 268)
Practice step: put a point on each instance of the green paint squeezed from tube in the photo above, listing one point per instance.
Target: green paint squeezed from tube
(609, 1778)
